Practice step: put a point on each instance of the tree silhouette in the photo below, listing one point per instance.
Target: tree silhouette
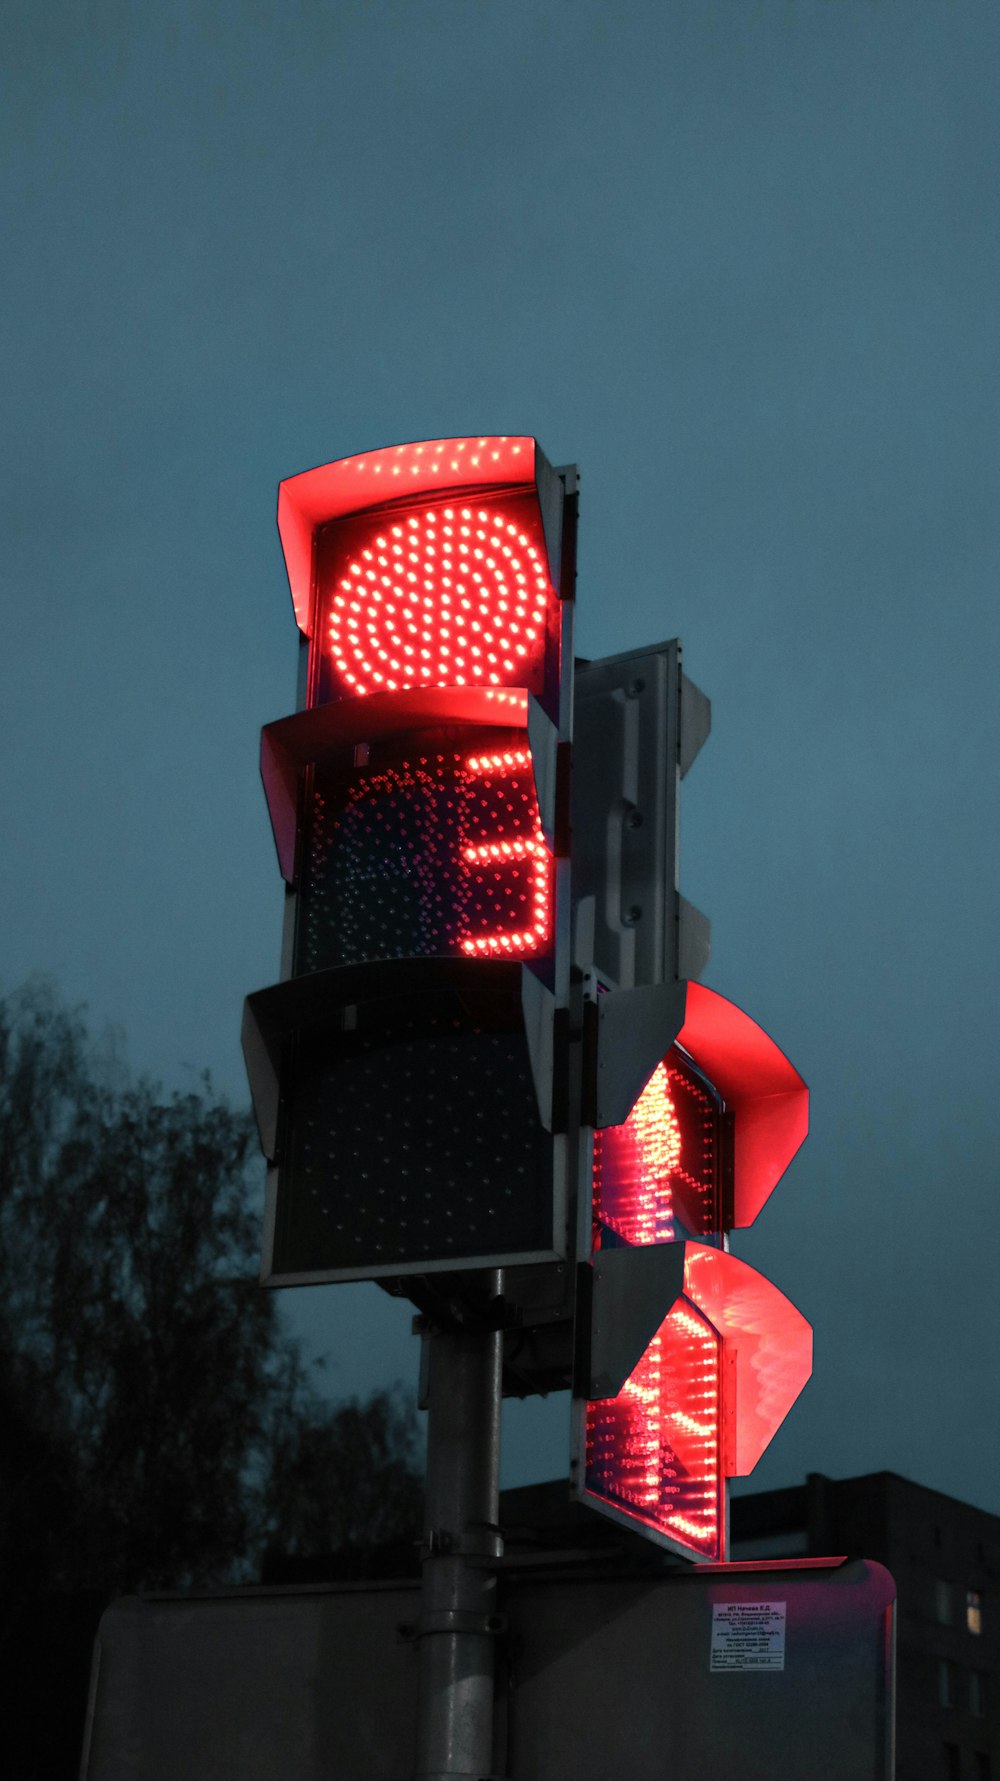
(344, 1482)
(161, 1426)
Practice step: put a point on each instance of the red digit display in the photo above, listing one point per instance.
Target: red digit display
(510, 873)
(440, 854)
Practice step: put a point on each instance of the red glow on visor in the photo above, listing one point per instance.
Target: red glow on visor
(309, 501)
(445, 596)
(654, 1450)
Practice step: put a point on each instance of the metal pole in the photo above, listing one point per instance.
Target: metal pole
(462, 1543)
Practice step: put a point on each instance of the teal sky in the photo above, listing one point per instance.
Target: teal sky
(740, 260)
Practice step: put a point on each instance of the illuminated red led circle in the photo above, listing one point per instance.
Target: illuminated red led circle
(451, 596)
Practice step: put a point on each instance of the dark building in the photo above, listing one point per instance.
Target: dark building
(945, 1558)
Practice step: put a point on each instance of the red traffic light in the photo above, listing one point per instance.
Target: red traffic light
(662, 1047)
(699, 1401)
(402, 1073)
(664, 1171)
(425, 565)
(694, 1359)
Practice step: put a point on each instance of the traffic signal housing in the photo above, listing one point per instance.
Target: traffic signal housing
(403, 1070)
(688, 1359)
(488, 1047)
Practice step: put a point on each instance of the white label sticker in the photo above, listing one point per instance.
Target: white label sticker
(748, 1636)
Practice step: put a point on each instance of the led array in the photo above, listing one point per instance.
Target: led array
(660, 1163)
(452, 596)
(654, 1449)
(502, 854)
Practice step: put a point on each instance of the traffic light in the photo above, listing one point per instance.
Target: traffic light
(687, 1360)
(690, 1360)
(404, 1070)
(489, 1048)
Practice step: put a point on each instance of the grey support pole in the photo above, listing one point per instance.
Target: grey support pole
(457, 1626)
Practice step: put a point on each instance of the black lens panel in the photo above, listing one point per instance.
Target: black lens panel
(413, 1140)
